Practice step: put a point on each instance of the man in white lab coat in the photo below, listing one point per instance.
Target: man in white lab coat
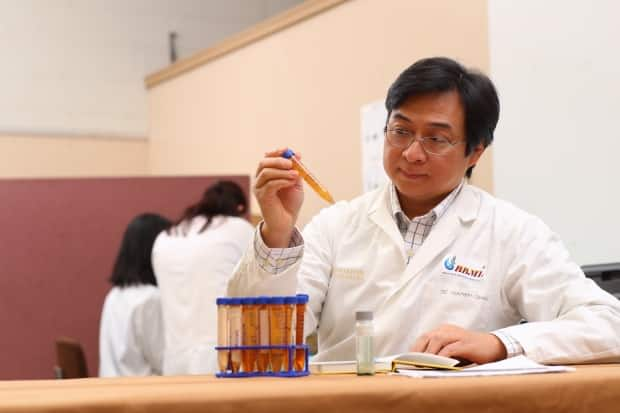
(447, 268)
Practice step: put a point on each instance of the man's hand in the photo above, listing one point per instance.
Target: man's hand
(279, 192)
(452, 341)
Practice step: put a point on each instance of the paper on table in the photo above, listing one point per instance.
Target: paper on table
(511, 366)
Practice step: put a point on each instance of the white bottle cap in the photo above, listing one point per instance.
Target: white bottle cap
(363, 315)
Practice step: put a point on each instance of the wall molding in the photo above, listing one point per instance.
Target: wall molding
(69, 134)
(294, 15)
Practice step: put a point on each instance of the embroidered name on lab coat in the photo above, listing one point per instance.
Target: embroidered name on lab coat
(451, 265)
(348, 273)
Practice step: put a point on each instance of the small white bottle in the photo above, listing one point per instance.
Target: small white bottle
(364, 352)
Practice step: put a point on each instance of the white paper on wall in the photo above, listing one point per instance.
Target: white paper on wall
(373, 116)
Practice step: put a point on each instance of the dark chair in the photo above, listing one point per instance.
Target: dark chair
(70, 360)
(607, 276)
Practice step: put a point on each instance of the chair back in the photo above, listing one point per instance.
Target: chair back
(70, 360)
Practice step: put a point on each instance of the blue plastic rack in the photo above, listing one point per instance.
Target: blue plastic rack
(291, 372)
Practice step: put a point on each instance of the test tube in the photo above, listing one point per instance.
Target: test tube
(234, 329)
(277, 325)
(308, 177)
(223, 356)
(289, 331)
(300, 354)
(262, 361)
(249, 315)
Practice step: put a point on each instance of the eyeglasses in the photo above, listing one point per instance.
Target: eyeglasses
(403, 138)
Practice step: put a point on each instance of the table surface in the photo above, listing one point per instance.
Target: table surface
(591, 388)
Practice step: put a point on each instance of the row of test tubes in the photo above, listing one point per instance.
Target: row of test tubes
(261, 335)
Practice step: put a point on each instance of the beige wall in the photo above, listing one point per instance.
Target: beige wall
(45, 156)
(303, 87)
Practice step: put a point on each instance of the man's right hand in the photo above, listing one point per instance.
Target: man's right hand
(280, 194)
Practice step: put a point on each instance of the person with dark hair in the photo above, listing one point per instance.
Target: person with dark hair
(446, 268)
(193, 261)
(131, 336)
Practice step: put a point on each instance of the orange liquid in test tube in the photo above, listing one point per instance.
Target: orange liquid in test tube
(289, 330)
(223, 356)
(300, 354)
(308, 177)
(262, 360)
(234, 332)
(249, 315)
(277, 324)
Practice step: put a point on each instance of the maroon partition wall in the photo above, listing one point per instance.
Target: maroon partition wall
(58, 242)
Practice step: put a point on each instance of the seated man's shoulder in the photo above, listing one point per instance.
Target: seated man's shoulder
(358, 206)
(347, 215)
(505, 213)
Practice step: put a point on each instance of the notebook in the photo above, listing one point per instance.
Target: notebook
(412, 360)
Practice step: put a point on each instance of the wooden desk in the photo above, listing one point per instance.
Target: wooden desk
(590, 388)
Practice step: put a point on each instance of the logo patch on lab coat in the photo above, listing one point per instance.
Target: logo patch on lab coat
(452, 265)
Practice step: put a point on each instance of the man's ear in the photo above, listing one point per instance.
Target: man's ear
(475, 155)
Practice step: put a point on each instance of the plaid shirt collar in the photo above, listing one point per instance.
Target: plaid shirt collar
(433, 215)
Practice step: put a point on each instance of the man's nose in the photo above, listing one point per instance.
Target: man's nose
(415, 152)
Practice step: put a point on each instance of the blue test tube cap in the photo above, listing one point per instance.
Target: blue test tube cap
(302, 298)
(248, 301)
(276, 300)
(290, 300)
(288, 154)
(262, 300)
(234, 301)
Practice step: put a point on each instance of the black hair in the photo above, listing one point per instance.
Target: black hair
(441, 74)
(222, 198)
(133, 262)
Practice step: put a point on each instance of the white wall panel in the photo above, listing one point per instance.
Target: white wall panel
(556, 64)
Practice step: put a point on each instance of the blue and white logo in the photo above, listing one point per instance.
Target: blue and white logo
(463, 268)
(450, 262)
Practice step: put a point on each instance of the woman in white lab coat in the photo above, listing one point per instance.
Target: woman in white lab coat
(193, 261)
(131, 337)
(447, 268)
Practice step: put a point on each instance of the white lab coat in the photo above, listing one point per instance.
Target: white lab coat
(131, 336)
(192, 270)
(484, 266)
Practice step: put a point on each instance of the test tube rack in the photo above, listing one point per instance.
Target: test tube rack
(291, 372)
